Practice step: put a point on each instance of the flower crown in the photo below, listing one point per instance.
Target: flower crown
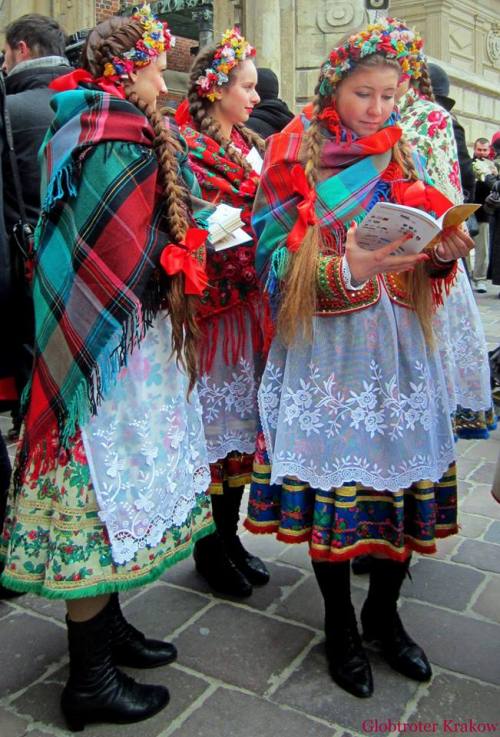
(389, 37)
(232, 49)
(156, 39)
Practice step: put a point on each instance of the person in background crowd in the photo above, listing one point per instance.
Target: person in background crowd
(233, 314)
(492, 182)
(34, 56)
(111, 471)
(353, 398)
(482, 166)
(457, 322)
(271, 114)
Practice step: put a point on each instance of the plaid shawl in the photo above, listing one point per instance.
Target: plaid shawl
(98, 242)
(233, 291)
(352, 177)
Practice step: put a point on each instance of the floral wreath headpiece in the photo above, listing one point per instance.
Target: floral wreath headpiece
(232, 49)
(156, 39)
(389, 37)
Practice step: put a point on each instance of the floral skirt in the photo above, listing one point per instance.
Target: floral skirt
(235, 470)
(54, 543)
(470, 425)
(353, 520)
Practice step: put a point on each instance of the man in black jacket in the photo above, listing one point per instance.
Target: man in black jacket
(271, 114)
(34, 56)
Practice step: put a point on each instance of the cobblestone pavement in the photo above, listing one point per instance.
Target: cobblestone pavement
(257, 668)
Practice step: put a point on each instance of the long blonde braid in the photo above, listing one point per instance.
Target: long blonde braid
(299, 290)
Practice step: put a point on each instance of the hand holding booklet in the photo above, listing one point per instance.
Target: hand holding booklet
(225, 228)
(387, 222)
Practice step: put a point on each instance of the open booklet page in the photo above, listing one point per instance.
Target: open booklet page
(387, 222)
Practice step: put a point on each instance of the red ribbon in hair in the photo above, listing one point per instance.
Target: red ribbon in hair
(306, 214)
(179, 257)
(422, 196)
(71, 81)
(182, 114)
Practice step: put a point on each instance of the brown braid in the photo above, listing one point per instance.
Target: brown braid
(108, 39)
(424, 83)
(299, 292)
(199, 109)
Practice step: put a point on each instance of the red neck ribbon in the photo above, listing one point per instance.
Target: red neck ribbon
(73, 79)
(305, 210)
(179, 258)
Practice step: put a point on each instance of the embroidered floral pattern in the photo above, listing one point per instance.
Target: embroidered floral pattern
(366, 402)
(146, 449)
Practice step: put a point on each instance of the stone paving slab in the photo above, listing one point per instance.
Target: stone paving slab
(12, 725)
(482, 555)
(456, 642)
(488, 602)
(442, 583)
(235, 714)
(29, 645)
(310, 689)
(241, 647)
(457, 699)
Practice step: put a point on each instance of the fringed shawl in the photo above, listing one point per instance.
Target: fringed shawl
(98, 242)
(233, 298)
(353, 176)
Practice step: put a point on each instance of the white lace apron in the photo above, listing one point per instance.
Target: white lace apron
(146, 448)
(366, 402)
(228, 395)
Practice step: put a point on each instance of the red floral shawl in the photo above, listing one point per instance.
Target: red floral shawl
(234, 291)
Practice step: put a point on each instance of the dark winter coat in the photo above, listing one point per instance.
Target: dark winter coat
(269, 117)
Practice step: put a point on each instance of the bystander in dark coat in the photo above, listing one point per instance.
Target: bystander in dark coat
(271, 115)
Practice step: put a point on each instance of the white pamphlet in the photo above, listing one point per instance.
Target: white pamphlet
(387, 222)
(255, 160)
(225, 228)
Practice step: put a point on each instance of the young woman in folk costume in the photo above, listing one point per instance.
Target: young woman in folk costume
(457, 323)
(353, 398)
(112, 469)
(233, 315)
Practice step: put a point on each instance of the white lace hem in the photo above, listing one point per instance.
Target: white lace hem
(353, 471)
(125, 545)
(234, 445)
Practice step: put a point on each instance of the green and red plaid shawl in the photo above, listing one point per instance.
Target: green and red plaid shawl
(98, 242)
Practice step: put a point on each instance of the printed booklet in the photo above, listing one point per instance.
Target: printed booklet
(387, 222)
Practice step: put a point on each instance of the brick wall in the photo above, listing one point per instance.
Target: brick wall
(178, 59)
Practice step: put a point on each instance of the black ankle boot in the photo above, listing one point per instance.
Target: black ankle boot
(131, 648)
(218, 570)
(226, 510)
(347, 660)
(96, 690)
(382, 624)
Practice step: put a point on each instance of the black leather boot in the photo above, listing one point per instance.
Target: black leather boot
(218, 570)
(348, 663)
(131, 648)
(361, 565)
(382, 624)
(226, 510)
(96, 690)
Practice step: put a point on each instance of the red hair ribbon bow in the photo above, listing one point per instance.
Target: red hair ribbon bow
(306, 214)
(70, 82)
(179, 257)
